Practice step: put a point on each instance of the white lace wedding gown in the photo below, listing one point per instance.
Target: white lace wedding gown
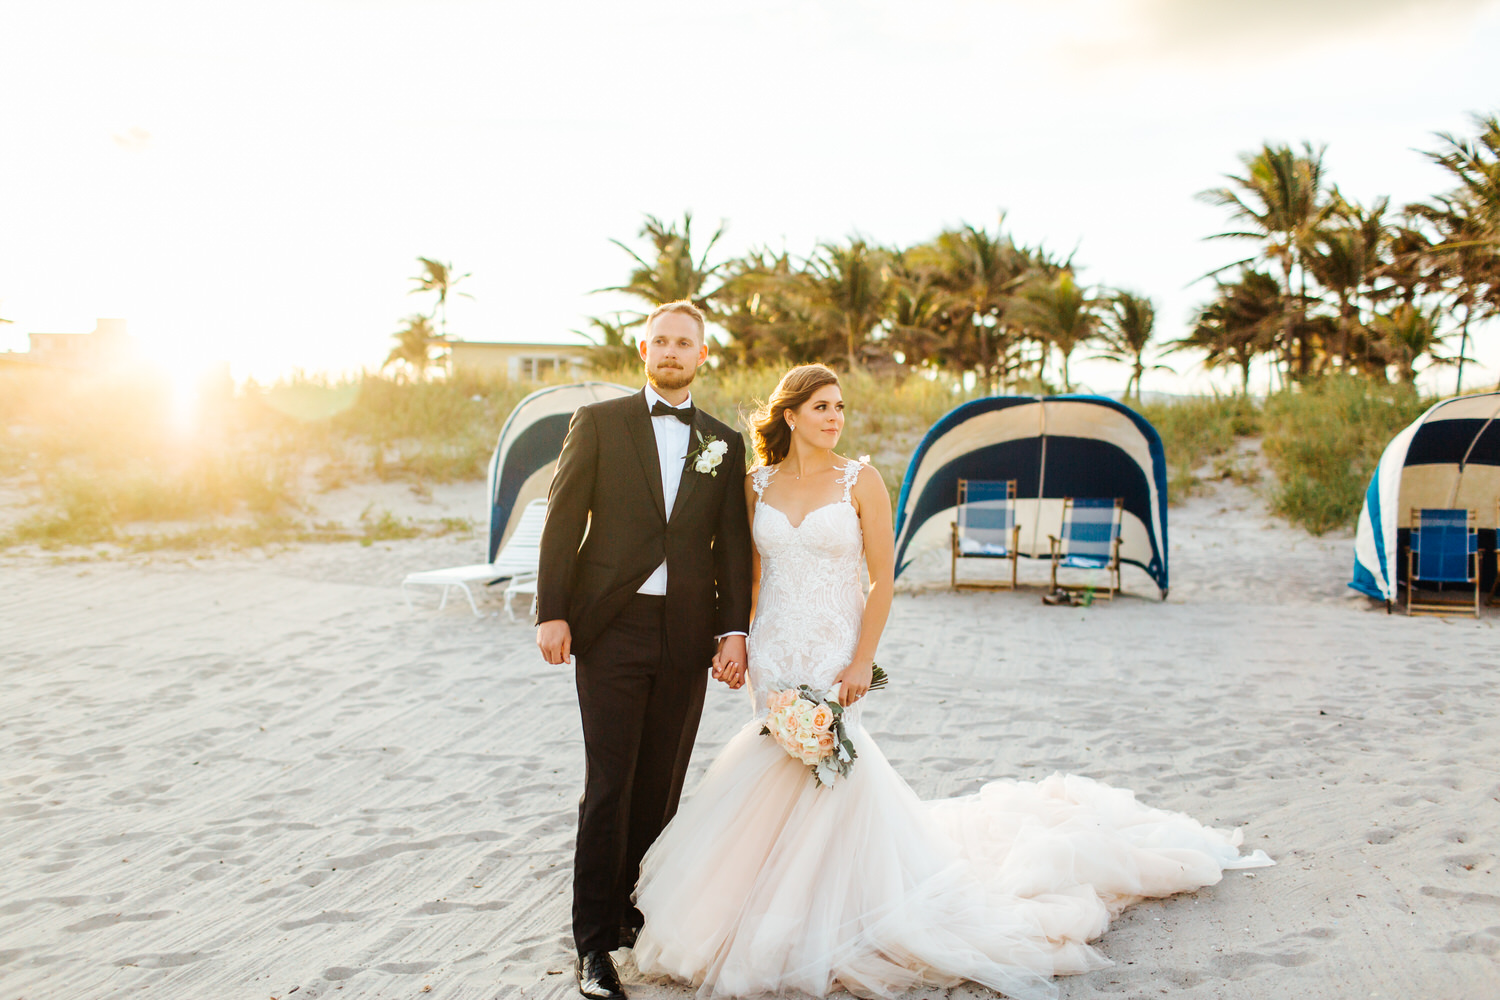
(767, 883)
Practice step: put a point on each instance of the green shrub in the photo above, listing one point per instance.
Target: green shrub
(102, 453)
(1195, 430)
(383, 526)
(1324, 441)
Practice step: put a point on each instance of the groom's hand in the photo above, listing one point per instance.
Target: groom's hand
(730, 661)
(555, 640)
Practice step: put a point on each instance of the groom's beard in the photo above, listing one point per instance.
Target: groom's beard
(664, 377)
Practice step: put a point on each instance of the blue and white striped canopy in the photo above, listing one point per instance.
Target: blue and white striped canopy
(526, 453)
(1053, 447)
(1448, 457)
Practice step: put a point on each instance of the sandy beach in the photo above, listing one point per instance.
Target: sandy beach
(261, 775)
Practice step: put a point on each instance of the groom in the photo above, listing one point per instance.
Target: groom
(645, 578)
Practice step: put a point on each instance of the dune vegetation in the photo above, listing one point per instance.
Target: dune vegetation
(1343, 303)
(107, 459)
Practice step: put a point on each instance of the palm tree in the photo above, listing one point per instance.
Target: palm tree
(763, 304)
(1410, 271)
(1407, 333)
(613, 345)
(1058, 312)
(439, 278)
(849, 290)
(1465, 257)
(1126, 325)
(1346, 255)
(976, 274)
(414, 343)
(1281, 200)
(668, 273)
(1239, 324)
(919, 323)
(1467, 221)
(1476, 167)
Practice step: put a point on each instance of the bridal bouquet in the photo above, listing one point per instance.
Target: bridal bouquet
(809, 725)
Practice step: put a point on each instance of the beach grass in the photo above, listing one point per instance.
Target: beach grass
(1321, 441)
(1199, 431)
(111, 459)
(1324, 442)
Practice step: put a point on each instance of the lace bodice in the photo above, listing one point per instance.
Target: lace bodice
(811, 602)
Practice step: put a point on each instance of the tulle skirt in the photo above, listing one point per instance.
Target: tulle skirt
(766, 883)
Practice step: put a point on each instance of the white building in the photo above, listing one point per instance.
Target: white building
(518, 362)
(107, 345)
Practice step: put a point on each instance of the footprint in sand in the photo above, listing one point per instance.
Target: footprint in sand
(165, 960)
(111, 919)
(1485, 942)
(341, 972)
(326, 917)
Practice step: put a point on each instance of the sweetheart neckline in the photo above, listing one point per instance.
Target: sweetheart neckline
(799, 524)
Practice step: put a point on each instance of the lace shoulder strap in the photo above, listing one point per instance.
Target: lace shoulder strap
(761, 478)
(850, 475)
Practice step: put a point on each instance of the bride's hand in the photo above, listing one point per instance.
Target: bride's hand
(730, 662)
(854, 682)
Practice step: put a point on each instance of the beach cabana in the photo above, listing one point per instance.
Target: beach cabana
(1054, 447)
(1449, 457)
(526, 452)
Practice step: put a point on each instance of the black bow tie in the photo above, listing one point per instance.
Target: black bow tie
(660, 409)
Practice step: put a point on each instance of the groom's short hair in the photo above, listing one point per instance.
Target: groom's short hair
(680, 306)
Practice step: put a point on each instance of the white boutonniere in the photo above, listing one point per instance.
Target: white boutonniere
(709, 454)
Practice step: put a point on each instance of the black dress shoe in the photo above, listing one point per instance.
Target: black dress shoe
(628, 936)
(597, 978)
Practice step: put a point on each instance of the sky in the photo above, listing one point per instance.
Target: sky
(253, 182)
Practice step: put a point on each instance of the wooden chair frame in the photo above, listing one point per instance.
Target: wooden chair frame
(1112, 567)
(1491, 600)
(1437, 605)
(1013, 547)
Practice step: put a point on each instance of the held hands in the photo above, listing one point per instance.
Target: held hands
(555, 640)
(729, 663)
(854, 682)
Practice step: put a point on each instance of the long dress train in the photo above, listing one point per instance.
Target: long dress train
(767, 883)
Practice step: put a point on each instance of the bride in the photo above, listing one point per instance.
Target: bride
(766, 882)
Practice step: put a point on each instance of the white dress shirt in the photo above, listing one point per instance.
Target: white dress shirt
(673, 438)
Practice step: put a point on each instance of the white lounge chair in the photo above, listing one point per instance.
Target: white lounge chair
(516, 561)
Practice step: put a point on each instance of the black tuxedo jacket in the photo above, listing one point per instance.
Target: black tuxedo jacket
(607, 531)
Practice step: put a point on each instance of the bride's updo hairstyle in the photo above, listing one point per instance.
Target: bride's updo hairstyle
(773, 437)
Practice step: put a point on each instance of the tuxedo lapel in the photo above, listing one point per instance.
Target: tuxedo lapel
(639, 422)
(689, 480)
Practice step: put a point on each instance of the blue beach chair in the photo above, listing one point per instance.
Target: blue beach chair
(1444, 548)
(1090, 539)
(986, 527)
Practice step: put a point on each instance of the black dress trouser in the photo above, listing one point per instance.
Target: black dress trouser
(640, 717)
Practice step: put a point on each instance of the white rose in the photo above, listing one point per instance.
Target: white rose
(704, 464)
(716, 448)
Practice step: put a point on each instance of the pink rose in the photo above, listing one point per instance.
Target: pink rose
(780, 699)
(822, 718)
(826, 743)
